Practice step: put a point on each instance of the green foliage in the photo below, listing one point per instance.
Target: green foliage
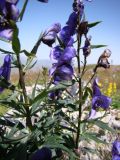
(15, 40)
(97, 46)
(90, 25)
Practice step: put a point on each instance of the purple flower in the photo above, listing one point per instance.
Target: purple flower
(116, 157)
(54, 95)
(63, 73)
(6, 32)
(98, 100)
(72, 23)
(68, 54)
(8, 12)
(69, 30)
(5, 70)
(70, 42)
(87, 47)
(42, 154)
(96, 87)
(103, 60)
(56, 53)
(116, 150)
(51, 34)
(101, 101)
(45, 1)
(78, 6)
(61, 56)
(65, 35)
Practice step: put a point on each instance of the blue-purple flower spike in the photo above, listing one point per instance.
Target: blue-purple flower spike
(69, 30)
(98, 100)
(116, 150)
(5, 70)
(42, 154)
(8, 12)
(63, 53)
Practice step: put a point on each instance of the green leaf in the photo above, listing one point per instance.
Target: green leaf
(103, 126)
(5, 52)
(90, 25)
(61, 86)
(44, 93)
(90, 150)
(15, 41)
(23, 10)
(69, 141)
(68, 128)
(36, 46)
(29, 63)
(14, 129)
(18, 152)
(92, 136)
(11, 104)
(97, 46)
(4, 83)
(40, 97)
(87, 92)
(57, 142)
(34, 89)
(50, 122)
(7, 122)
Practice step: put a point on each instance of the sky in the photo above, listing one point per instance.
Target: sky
(39, 16)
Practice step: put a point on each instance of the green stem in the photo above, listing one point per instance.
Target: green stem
(84, 66)
(80, 89)
(36, 46)
(93, 75)
(22, 85)
(23, 10)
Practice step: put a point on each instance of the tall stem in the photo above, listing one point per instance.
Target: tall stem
(80, 85)
(84, 66)
(22, 85)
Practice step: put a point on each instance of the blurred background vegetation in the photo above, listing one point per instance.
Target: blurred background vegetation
(109, 78)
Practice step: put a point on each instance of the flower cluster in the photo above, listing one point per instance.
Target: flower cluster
(5, 70)
(8, 13)
(63, 53)
(98, 99)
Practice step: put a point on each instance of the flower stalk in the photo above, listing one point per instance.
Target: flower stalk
(22, 85)
(79, 37)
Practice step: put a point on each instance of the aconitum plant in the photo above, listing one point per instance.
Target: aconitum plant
(55, 122)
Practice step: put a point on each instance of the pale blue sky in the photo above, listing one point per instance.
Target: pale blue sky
(39, 16)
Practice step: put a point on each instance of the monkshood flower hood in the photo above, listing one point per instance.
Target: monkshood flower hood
(5, 70)
(98, 99)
